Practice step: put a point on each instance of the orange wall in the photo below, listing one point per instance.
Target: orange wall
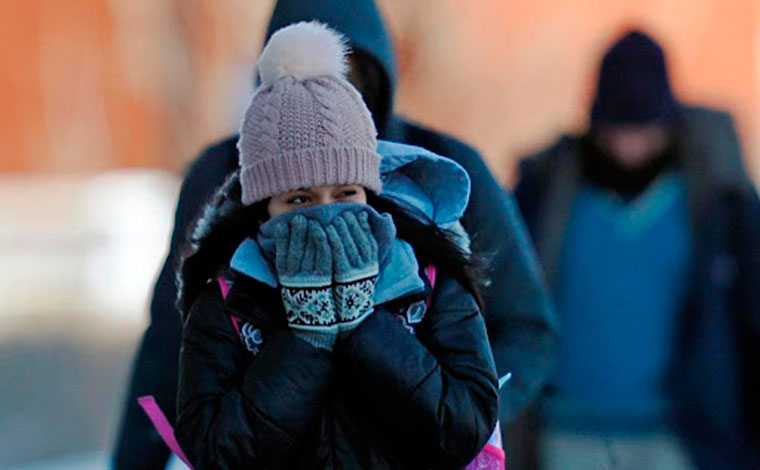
(72, 103)
(96, 84)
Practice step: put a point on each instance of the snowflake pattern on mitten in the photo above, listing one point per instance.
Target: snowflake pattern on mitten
(312, 307)
(355, 299)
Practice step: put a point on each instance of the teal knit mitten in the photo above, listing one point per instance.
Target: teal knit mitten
(304, 264)
(355, 268)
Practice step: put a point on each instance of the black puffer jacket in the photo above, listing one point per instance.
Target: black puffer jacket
(384, 399)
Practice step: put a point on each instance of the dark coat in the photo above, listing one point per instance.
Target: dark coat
(520, 321)
(384, 399)
(715, 382)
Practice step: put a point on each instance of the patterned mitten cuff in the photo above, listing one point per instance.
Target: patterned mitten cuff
(355, 301)
(311, 314)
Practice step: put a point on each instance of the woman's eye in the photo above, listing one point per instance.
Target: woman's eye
(297, 200)
(348, 193)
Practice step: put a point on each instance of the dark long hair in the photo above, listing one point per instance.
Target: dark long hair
(225, 222)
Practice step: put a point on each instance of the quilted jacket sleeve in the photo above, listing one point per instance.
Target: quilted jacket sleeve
(240, 411)
(435, 393)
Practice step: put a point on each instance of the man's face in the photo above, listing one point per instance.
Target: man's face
(632, 145)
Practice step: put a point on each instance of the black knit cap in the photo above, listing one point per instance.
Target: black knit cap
(633, 85)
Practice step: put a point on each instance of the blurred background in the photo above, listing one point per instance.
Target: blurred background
(107, 101)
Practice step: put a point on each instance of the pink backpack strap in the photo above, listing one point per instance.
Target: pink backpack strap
(492, 456)
(431, 273)
(224, 286)
(157, 417)
(165, 430)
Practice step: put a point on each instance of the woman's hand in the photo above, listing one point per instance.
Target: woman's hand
(304, 265)
(355, 268)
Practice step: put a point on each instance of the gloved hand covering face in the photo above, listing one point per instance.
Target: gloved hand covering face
(355, 268)
(381, 225)
(398, 267)
(304, 264)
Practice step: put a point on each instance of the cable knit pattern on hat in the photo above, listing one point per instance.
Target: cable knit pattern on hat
(306, 125)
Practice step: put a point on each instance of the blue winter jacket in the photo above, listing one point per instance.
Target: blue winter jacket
(715, 383)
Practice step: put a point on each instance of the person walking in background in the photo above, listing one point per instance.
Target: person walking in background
(648, 230)
(521, 325)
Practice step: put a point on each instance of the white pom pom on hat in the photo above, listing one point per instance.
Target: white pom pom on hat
(303, 50)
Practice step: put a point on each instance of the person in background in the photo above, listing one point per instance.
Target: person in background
(648, 230)
(520, 321)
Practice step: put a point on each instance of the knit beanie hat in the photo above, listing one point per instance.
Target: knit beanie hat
(633, 85)
(306, 124)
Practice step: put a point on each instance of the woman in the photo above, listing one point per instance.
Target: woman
(316, 333)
